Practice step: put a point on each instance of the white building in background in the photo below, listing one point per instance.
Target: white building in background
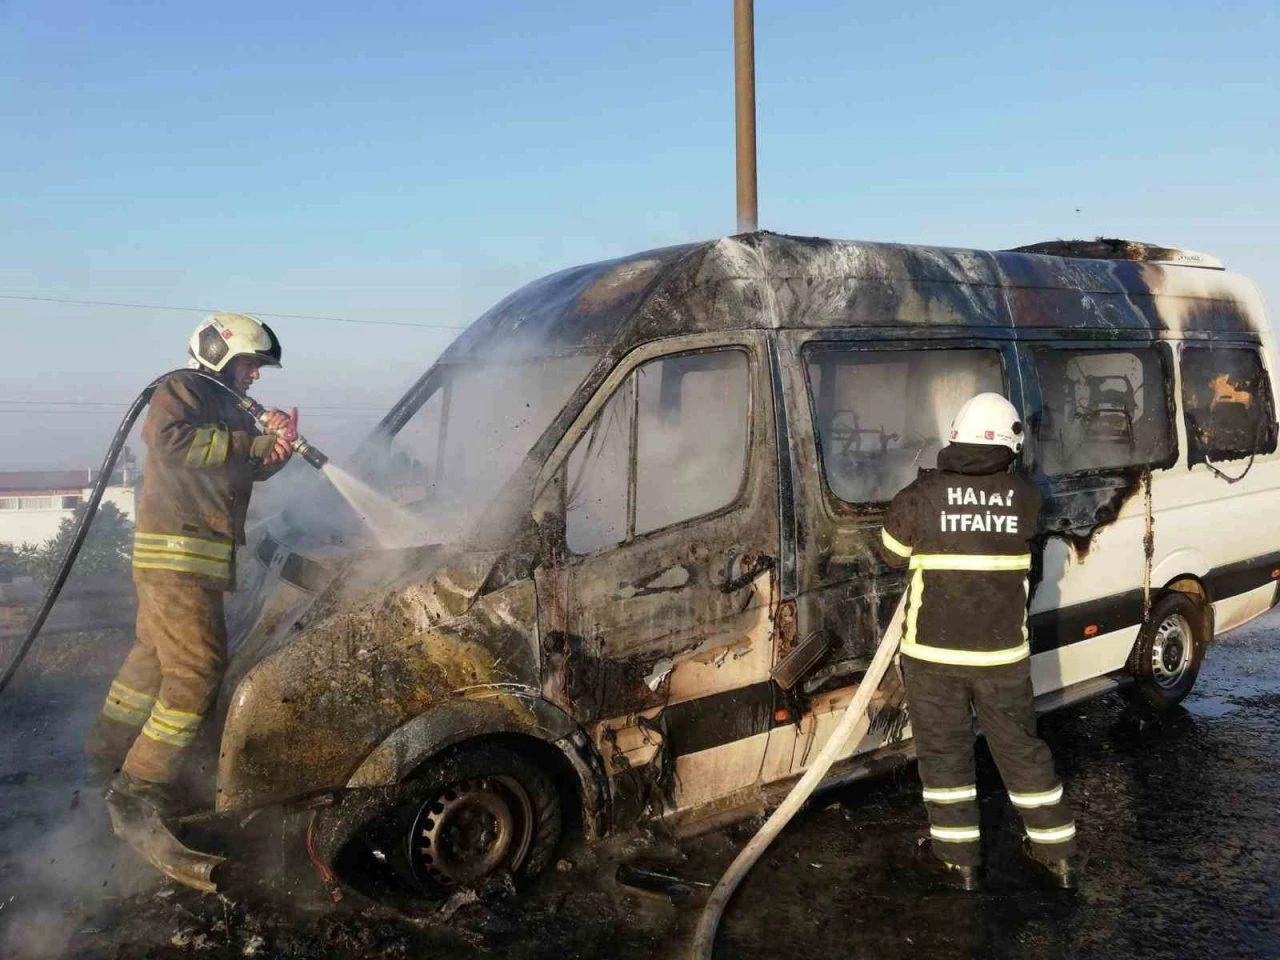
(34, 504)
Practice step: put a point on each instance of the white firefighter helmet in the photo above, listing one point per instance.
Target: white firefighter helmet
(221, 336)
(988, 419)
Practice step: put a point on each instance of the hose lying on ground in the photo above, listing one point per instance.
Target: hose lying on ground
(312, 455)
(853, 726)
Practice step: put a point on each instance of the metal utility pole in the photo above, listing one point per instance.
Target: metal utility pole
(744, 70)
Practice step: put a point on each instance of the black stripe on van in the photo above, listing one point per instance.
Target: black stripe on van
(721, 718)
(1237, 578)
(1066, 625)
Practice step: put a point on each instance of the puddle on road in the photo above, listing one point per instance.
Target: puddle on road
(1209, 707)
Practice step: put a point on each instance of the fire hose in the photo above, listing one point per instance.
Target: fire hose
(253, 408)
(852, 728)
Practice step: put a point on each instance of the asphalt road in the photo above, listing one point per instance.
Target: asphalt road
(1179, 822)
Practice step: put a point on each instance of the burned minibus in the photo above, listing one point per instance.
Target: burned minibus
(638, 576)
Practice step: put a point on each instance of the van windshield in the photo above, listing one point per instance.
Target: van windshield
(472, 432)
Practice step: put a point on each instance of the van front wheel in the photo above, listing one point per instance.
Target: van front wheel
(1167, 656)
(477, 811)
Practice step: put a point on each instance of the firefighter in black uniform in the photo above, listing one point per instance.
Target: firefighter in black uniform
(964, 533)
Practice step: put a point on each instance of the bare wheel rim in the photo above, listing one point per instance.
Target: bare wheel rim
(472, 828)
(1171, 651)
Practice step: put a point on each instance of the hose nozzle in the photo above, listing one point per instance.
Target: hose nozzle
(309, 453)
(301, 445)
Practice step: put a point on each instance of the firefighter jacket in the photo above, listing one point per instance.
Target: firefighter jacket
(964, 532)
(203, 456)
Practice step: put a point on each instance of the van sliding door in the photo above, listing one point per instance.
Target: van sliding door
(864, 416)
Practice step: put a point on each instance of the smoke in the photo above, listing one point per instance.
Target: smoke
(65, 883)
(598, 471)
(477, 419)
(688, 417)
(60, 867)
(473, 432)
(469, 434)
(691, 438)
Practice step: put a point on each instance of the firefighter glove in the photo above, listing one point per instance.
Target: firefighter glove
(270, 449)
(282, 424)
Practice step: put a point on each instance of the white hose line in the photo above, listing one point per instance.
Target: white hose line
(853, 725)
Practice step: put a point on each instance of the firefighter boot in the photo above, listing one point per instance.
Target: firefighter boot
(137, 809)
(98, 774)
(959, 876)
(97, 777)
(133, 796)
(1058, 874)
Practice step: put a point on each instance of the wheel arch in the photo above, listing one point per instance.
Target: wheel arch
(1195, 587)
(1181, 569)
(525, 721)
(1186, 570)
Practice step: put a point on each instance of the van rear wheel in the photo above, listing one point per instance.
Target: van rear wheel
(1167, 655)
(475, 812)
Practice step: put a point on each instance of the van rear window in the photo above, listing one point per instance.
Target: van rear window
(1103, 409)
(1228, 405)
(881, 415)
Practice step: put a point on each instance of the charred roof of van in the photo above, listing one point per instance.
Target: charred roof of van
(771, 281)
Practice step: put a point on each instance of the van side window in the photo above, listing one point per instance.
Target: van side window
(1227, 401)
(687, 419)
(1103, 409)
(881, 415)
(599, 468)
(413, 471)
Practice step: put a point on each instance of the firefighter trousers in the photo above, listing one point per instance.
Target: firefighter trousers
(167, 683)
(942, 702)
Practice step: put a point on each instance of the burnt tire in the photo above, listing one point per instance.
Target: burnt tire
(473, 814)
(1167, 655)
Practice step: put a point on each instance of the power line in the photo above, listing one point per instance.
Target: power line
(284, 316)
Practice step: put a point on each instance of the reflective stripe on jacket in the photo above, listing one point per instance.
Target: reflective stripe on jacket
(966, 540)
(162, 551)
(196, 482)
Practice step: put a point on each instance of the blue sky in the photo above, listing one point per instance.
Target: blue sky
(415, 162)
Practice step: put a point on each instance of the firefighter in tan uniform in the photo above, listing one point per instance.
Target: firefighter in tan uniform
(203, 455)
(964, 531)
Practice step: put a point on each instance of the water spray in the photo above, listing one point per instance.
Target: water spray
(253, 408)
